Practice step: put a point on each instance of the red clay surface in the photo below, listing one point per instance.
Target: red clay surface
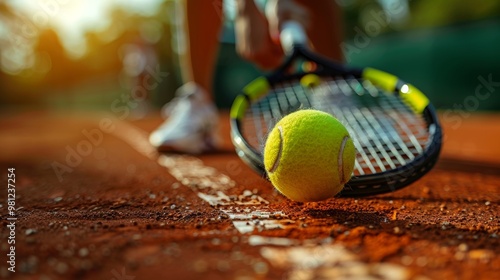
(118, 214)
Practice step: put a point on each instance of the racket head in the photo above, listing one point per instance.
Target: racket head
(394, 127)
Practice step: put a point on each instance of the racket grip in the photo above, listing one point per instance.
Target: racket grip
(292, 35)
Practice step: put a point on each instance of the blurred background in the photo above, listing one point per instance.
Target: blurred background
(88, 55)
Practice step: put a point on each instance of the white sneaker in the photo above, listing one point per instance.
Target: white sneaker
(192, 124)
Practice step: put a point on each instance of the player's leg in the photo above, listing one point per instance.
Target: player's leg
(202, 25)
(325, 30)
(192, 116)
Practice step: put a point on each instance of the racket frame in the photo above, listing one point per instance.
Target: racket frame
(360, 185)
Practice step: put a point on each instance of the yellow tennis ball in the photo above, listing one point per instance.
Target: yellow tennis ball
(310, 80)
(309, 156)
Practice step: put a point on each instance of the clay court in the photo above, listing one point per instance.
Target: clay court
(115, 209)
(84, 195)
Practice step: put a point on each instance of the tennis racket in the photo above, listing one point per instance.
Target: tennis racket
(394, 127)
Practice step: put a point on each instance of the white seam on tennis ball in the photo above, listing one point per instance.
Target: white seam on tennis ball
(278, 158)
(340, 160)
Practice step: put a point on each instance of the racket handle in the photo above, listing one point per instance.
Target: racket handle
(292, 35)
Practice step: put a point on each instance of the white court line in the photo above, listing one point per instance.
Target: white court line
(247, 211)
(303, 259)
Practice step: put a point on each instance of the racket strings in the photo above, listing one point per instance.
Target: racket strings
(263, 115)
(386, 133)
(384, 127)
(374, 123)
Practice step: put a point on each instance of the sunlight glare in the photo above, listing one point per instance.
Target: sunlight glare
(72, 19)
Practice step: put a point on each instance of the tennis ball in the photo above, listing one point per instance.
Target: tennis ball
(309, 156)
(310, 80)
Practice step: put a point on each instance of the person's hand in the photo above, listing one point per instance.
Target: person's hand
(253, 40)
(280, 11)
